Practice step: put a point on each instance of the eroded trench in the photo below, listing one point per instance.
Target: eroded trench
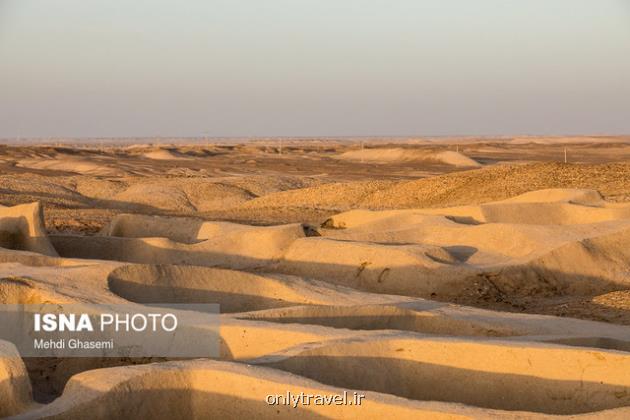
(380, 317)
(415, 369)
(526, 377)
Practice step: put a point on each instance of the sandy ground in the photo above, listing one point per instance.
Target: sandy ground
(459, 278)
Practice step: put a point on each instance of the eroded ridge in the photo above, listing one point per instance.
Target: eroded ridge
(369, 301)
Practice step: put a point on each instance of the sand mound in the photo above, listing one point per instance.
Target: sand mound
(158, 196)
(499, 183)
(52, 194)
(456, 159)
(338, 196)
(368, 266)
(267, 184)
(604, 256)
(567, 140)
(71, 164)
(413, 253)
(218, 196)
(472, 243)
(493, 183)
(544, 207)
(550, 213)
(22, 228)
(385, 156)
(183, 197)
(163, 154)
(560, 195)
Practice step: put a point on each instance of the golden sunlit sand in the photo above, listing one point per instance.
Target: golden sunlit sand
(462, 278)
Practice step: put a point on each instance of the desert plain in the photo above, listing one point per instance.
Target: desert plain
(442, 278)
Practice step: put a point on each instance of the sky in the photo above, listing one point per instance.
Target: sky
(252, 68)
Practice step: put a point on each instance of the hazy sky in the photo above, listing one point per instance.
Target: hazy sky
(313, 67)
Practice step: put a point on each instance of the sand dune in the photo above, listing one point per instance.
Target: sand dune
(463, 188)
(162, 154)
(181, 197)
(452, 296)
(559, 207)
(409, 155)
(51, 194)
(567, 140)
(71, 164)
